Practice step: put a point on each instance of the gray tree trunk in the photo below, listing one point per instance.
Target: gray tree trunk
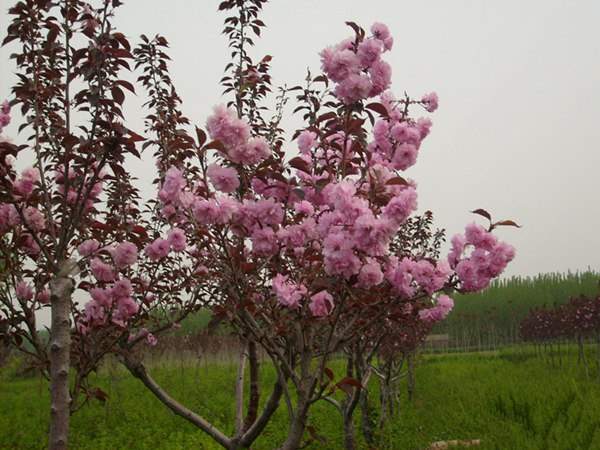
(61, 289)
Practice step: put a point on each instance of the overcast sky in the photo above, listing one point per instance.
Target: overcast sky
(518, 128)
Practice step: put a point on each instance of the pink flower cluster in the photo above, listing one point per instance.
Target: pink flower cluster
(23, 291)
(234, 134)
(4, 115)
(353, 234)
(287, 292)
(321, 304)
(409, 277)
(357, 69)
(225, 179)
(487, 257)
(430, 101)
(439, 312)
(397, 140)
(23, 186)
(160, 248)
(114, 300)
(9, 217)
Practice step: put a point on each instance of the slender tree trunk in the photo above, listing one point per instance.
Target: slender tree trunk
(254, 395)
(367, 421)
(349, 439)
(239, 392)
(61, 289)
(298, 422)
(411, 376)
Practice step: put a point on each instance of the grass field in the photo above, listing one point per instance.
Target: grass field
(509, 399)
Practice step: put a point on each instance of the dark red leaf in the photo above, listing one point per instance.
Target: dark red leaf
(507, 223)
(483, 212)
(300, 164)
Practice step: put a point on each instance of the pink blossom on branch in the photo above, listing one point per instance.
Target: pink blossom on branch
(225, 179)
(321, 304)
(88, 247)
(24, 291)
(430, 101)
(124, 254)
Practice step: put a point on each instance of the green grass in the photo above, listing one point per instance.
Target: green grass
(508, 399)
(492, 317)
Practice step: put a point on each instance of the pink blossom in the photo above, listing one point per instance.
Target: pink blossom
(405, 156)
(439, 312)
(34, 218)
(23, 291)
(43, 296)
(353, 88)
(445, 302)
(127, 307)
(424, 127)
(401, 206)
(94, 313)
(382, 32)
(381, 77)
(368, 51)
(9, 217)
(399, 274)
(101, 270)
(372, 235)
(304, 207)
(215, 211)
(339, 64)
(102, 297)
(264, 242)
(4, 115)
(339, 257)
(306, 141)
(25, 184)
(157, 249)
(321, 304)
(172, 186)
(288, 293)
(252, 152)
(177, 239)
(430, 101)
(225, 179)
(225, 126)
(370, 275)
(122, 288)
(88, 247)
(124, 254)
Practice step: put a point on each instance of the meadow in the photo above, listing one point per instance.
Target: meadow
(509, 399)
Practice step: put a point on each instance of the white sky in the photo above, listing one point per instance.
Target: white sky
(519, 88)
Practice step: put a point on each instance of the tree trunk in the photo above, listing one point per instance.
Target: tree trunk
(239, 392)
(61, 289)
(349, 440)
(367, 421)
(298, 424)
(254, 388)
(411, 376)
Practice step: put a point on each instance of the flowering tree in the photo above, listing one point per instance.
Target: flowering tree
(71, 221)
(299, 255)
